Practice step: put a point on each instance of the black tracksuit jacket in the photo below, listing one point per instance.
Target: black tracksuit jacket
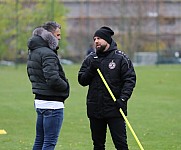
(119, 73)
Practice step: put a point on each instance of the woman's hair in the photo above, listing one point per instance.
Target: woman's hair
(51, 26)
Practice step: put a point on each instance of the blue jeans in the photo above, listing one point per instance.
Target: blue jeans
(48, 125)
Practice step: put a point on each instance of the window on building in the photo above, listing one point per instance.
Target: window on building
(167, 21)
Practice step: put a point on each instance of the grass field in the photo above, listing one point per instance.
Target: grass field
(154, 110)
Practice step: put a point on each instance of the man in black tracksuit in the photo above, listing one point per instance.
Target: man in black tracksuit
(119, 73)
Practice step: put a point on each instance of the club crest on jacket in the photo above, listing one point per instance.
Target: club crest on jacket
(112, 65)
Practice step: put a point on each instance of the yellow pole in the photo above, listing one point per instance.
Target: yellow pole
(122, 113)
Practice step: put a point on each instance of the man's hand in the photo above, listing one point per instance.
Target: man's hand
(94, 65)
(121, 103)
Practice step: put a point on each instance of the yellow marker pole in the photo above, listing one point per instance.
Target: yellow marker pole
(3, 132)
(122, 113)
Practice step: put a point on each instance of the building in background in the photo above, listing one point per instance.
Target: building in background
(140, 25)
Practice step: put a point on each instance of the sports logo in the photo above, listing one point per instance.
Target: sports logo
(112, 65)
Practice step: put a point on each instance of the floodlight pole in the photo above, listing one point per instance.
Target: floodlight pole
(157, 29)
(17, 32)
(52, 10)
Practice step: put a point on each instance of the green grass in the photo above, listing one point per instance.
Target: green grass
(154, 110)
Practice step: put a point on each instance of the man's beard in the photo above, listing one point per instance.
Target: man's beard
(100, 49)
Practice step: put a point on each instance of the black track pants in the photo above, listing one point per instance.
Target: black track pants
(117, 129)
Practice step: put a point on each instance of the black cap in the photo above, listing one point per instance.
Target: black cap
(104, 33)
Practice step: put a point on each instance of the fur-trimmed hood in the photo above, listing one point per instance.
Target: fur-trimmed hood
(47, 39)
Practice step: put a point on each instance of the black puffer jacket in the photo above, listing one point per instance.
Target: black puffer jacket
(119, 73)
(44, 69)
